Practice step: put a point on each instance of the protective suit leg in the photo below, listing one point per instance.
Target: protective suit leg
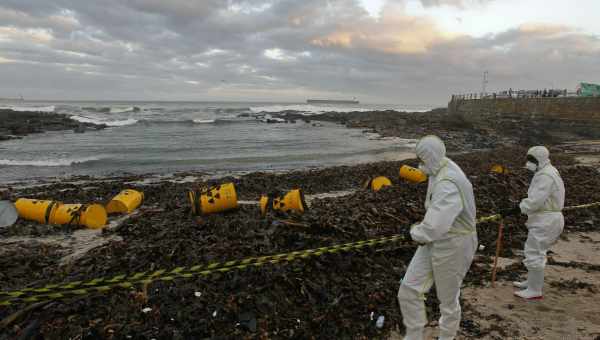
(535, 278)
(447, 261)
(417, 281)
(544, 230)
(451, 261)
(520, 284)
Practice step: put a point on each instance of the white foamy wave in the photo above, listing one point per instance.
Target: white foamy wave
(269, 119)
(29, 108)
(124, 109)
(307, 109)
(123, 122)
(203, 121)
(50, 162)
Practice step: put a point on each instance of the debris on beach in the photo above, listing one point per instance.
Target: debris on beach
(331, 294)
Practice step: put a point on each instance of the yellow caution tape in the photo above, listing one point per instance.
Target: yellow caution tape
(56, 292)
(103, 281)
(491, 218)
(100, 285)
(582, 206)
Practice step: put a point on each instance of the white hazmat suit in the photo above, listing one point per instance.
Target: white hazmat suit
(543, 207)
(448, 241)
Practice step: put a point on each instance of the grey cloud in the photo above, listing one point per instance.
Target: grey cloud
(455, 3)
(160, 50)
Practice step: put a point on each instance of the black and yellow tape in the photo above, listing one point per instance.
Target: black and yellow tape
(101, 285)
(582, 206)
(78, 288)
(103, 281)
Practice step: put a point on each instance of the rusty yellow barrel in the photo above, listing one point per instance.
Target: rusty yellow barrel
(92, 216)
(213, 200)
(125, 202)
(379, 182)
(293, 201)
(36, 210)
(412, 174)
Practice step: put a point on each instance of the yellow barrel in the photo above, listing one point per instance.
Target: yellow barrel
(213, 200)
(293, 200)
(379, 182)
(499, 169)
(36, 210)
(92, 216)
(412, 174)
(125, 202)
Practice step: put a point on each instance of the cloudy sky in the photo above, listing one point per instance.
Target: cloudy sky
(394, 51)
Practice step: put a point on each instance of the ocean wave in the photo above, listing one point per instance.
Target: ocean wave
(204, 121)
(124, 109)
(227, 120)
(47, 163)
(230, 109)
(270, 119)
(123, 122)
(29, 108)
(306, 109)
(109, 109)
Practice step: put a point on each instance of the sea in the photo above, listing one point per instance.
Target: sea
(226, 138)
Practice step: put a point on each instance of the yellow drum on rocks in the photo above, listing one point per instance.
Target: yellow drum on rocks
(36, 210)
(412, 174)
(92, 216)
(213, 200)
(379, 182)
(125, 202)
(293, 200)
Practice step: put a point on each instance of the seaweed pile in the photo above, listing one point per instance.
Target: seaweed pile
(330, 296)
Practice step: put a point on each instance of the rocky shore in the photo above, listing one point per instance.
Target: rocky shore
(331, 296)
(16, 124)
(459, 133)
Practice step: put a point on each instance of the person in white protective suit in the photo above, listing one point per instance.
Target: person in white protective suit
(448, 241)
(543, 207)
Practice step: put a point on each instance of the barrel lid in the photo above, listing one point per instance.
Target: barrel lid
(8, 214)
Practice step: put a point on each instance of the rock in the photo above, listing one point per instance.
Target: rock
(79, 129)
(248, 321)
(17, 124)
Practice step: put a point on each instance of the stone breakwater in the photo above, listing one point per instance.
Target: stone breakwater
(548, 120)
(570, 108)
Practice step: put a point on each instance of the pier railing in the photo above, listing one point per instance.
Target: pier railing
(552, 93)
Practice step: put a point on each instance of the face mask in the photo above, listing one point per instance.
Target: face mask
(423, 168)
(531, 166)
